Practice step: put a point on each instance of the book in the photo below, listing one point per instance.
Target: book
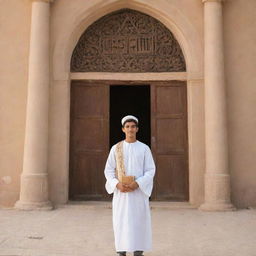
(127, 179)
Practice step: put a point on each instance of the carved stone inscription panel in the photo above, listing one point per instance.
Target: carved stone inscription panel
(127, 41)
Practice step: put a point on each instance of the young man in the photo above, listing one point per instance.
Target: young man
(131, 212)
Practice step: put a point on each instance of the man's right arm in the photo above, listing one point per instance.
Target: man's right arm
(109, 172)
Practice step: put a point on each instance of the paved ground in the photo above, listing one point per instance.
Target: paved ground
(85, 230)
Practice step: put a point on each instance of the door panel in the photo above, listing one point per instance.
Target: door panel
(170, 179)
(169, 100)
(88, 134)
(169, 140)
(88, 140)
(170, 135)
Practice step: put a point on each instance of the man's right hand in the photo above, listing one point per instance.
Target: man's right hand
(123, 188)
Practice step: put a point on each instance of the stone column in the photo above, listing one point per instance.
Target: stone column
(34, 178)
(217, 177)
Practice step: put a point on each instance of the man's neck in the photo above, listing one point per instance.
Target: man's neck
(130, 140)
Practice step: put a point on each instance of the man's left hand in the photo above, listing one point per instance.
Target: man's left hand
(134, 185)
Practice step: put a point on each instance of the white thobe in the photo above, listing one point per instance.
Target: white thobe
(131, 212)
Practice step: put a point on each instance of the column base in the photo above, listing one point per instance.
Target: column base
(217, 207)
(34, 192)
(217, 193)
(29, 206)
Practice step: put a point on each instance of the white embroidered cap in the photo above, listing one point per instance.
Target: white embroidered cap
(129, 117)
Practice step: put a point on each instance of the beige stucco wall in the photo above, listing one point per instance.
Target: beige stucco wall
(240, 58)
(185, 19)
(14, 47)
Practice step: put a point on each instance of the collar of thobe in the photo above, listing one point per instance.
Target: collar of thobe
(130, 142)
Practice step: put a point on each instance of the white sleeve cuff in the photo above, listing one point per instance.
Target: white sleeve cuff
(111, 185)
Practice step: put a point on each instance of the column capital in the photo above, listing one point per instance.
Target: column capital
(205, 1)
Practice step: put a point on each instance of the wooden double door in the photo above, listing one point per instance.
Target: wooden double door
(96, 111)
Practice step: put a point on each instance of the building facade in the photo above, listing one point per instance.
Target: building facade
(71, 69)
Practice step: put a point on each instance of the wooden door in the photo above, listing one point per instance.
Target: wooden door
(88, 140)
(169, 140)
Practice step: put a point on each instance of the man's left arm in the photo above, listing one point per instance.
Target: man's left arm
(145, 182)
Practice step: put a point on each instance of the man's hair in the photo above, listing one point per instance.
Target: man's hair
(130, 120)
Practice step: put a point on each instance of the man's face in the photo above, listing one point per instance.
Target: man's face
(130, 129)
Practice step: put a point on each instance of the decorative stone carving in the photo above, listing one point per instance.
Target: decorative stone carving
(127, 41)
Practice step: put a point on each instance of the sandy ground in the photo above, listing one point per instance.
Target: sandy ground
(86, 229)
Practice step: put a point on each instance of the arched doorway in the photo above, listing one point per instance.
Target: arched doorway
(128, 41)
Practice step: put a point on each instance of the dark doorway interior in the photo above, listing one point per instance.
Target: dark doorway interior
(129, 100)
